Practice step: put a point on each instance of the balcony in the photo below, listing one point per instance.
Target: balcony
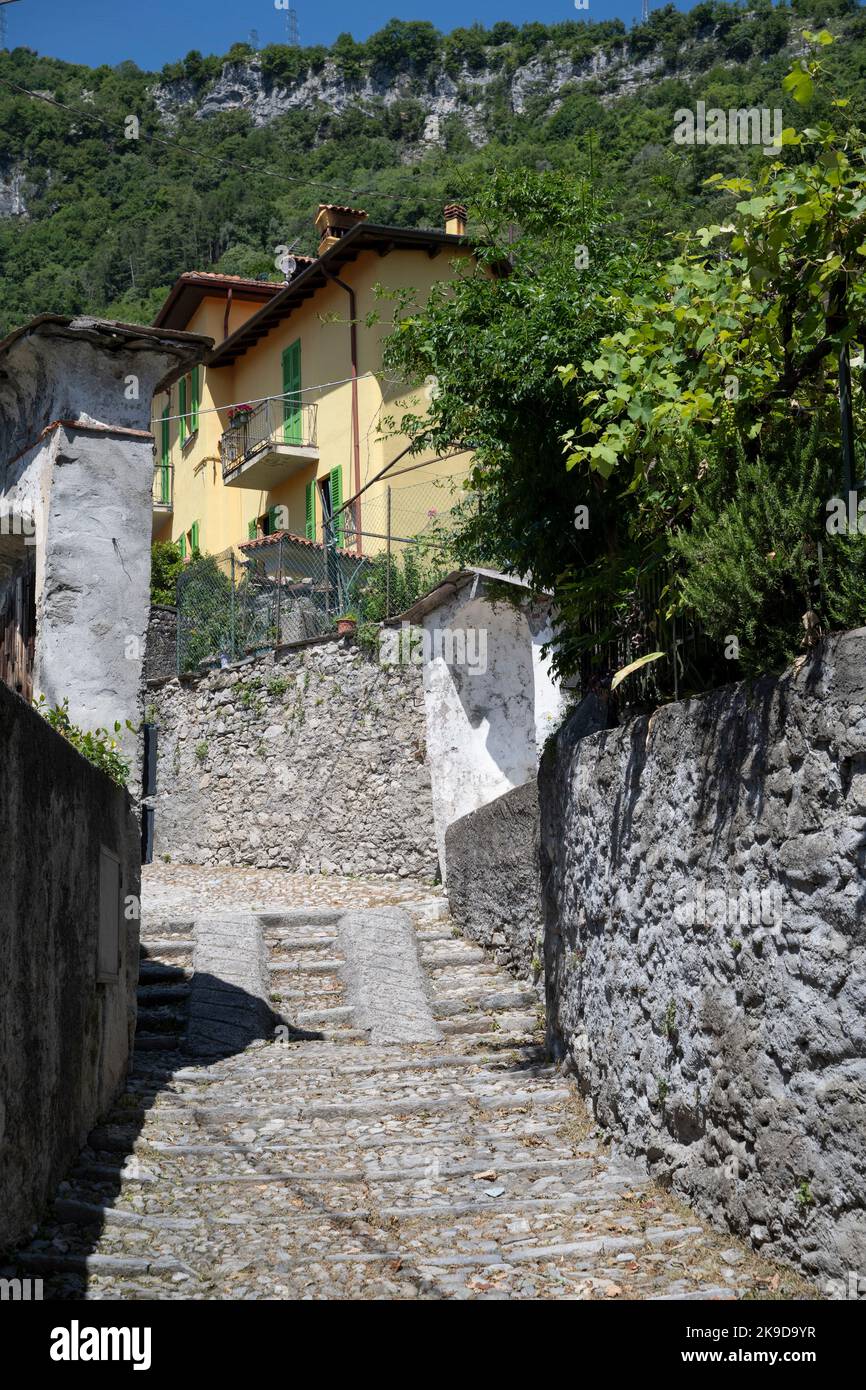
(162, 494)
(269, 443)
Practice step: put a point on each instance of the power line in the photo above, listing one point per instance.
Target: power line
(301, 391)
(186, 149)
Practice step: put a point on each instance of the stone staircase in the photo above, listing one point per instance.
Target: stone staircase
(320, 1164)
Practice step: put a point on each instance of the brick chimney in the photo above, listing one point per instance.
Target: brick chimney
(455, 219)
(333, 221)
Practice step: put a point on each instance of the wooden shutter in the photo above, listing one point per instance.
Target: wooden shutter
(181, 407)
(292, 418)
(310, 502)
(181, 545)
(193, 403)
(193, 537)
(336, 503)
(253, 529)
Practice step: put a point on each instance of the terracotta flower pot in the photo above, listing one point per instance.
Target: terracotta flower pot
(346, 627)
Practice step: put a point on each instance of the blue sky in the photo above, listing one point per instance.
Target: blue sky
(154, 32)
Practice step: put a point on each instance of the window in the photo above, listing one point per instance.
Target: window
(253, 529)
(181, 407)
(310, 511)
(181, 545)
(194, 539)
(331, 492)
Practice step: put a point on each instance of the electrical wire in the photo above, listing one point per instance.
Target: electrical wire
(278, 396)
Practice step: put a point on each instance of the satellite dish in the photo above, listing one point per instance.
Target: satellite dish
(288, 265)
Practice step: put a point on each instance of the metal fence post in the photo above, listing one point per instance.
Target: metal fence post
(388, 554)
(279, 588)
(232, 627)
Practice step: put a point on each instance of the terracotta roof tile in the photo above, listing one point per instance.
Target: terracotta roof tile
(296, 540)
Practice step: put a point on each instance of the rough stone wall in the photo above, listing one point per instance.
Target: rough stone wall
(160, 656)
(313, 760)
(64, 1037)
(493, 886)
(730, 1053)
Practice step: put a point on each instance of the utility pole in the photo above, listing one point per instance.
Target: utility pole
(3, 21)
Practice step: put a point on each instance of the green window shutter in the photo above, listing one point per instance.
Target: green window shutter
(194, 398)
(181, 407)
(193, 537)
(292, 418)
(181, 545)
(253, 529)
(310, 502)
(336, 503)
(272, 520)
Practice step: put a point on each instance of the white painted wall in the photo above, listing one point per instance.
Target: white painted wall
(485, 728)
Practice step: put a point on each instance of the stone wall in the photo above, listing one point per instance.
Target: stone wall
(313, 760)
(493, 887)
(705, 904)
(160, 656)
(65, 1027)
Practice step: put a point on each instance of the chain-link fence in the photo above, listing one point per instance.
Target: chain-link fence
(283, 588)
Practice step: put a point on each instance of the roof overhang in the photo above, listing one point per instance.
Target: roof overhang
(458, 580)
(364, 236)
(189, 289)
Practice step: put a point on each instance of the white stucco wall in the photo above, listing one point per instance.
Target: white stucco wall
(77, 454)
(486, 721)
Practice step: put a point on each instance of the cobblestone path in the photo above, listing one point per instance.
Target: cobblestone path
(328, 1163)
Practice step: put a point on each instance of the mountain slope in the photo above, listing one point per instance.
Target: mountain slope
(233, 154)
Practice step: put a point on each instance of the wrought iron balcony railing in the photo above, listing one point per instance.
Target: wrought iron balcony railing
(162, 492)
(279, 425)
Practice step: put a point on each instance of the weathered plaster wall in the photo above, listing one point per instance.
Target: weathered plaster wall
(76, 453)
(486, 720)
(727, 1045)
(64, 1037)
(314, 761)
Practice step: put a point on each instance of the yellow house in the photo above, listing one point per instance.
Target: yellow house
(281, 426)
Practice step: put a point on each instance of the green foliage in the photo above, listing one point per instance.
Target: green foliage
(166, 564)
(493, 338)
(98, 746)
(392, 584)
(111, 222)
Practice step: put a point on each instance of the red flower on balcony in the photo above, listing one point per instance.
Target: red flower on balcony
(239, 413)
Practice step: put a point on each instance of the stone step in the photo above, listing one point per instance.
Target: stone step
(162, 1019)
(150, 994)
(435, 960)
(153, 971)
(157, 1042)
(166, 948)
(153, 929)
(328, 966)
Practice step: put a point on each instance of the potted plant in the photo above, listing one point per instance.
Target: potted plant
(239, 414)
(347, 624)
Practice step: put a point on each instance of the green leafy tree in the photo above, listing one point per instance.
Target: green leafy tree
(166, 563)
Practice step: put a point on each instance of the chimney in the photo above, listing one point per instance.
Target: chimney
(333, 221)
(455, 219)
